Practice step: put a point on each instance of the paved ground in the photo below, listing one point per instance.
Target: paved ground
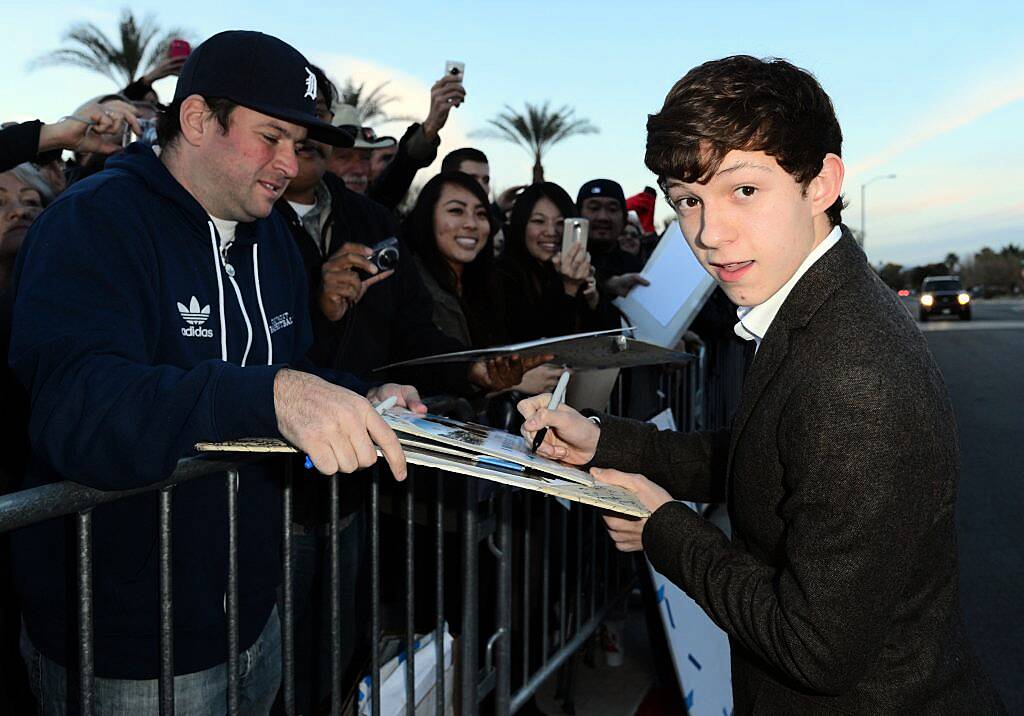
(603, 690)
(983, 363)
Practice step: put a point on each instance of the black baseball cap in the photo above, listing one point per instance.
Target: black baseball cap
(262, 73)
(603, 188)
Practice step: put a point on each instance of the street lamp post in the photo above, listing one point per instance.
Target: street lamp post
(863, 211)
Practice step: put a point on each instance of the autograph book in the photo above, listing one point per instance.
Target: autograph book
(478, 451)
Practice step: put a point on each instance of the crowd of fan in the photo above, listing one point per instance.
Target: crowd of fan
(475, 268)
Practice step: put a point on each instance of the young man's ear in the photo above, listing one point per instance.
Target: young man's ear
(192, 116)
(825, 187)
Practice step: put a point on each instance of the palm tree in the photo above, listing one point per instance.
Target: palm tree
(139, 45)
(371, 105)
(537, 130)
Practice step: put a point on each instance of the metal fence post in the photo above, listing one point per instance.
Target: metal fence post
(503, 660)
(335, 555)
(288, 595)
(166, 687)
(375, 626)
(468, 648)
(231, 598)
(439, 680)
(86, 673)
(527, 583)
(410, 596)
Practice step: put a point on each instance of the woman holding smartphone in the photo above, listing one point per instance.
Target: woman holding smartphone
(549, 288)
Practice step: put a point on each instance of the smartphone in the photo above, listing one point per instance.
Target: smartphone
(575, 230)
(455, 69)
(179, 48)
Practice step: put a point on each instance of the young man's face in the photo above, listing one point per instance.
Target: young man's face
(248, 167)
(481, 171)
(606, 216)
(751, 225)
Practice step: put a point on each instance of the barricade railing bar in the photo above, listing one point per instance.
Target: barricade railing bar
(570, 576)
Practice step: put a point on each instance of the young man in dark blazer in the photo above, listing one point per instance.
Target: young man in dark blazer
(839, 586)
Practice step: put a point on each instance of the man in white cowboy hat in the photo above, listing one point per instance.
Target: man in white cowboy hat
(416, 150)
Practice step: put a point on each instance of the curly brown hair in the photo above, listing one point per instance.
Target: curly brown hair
(745, 103)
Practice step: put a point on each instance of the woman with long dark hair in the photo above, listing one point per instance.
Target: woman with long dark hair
(451, 231)
(547, 293)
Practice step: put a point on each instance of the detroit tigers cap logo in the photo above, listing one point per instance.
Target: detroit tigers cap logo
(310, 85)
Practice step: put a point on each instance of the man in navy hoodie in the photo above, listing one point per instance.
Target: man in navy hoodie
(158, 304)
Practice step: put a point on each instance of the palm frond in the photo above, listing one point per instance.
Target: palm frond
(135, 47)
(372, 105)
(536, 129)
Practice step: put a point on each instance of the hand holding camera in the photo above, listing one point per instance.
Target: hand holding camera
(94, 127)
(350, 271)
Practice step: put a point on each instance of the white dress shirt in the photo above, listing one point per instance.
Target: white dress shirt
(754, 321)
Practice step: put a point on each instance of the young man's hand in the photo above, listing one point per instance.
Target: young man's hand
(627, 532)
(336, 428)
(570, 438)
(341, 286)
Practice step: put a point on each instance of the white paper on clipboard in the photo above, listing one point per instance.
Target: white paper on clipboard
(679, 287)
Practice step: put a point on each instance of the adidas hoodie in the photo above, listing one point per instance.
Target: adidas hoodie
(137, 337)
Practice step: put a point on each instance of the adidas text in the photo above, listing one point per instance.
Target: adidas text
(197, 332)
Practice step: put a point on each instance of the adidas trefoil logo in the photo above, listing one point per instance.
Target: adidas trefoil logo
(195, 317)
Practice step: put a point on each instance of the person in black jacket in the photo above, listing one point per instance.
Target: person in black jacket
(604, 204)
(839, 586)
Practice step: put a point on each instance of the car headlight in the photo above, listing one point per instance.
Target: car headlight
(927, 299)
(963, 299)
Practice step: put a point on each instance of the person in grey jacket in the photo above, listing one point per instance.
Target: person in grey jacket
(839, 587)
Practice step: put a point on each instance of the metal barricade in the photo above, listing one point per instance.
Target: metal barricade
(570, 575)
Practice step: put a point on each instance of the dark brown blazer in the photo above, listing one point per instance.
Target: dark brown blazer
(839, 587)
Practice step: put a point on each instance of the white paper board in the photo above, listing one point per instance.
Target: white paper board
(663, 311)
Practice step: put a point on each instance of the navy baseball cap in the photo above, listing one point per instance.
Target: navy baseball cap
(262, 73)
(605, 188)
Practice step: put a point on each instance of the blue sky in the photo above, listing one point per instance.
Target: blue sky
(932, 92)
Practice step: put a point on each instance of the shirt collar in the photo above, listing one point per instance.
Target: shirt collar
(754, 321)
